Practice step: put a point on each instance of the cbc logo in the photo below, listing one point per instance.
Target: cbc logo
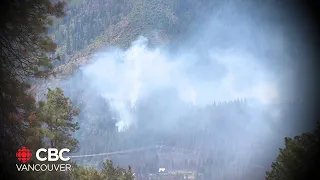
(53, 154)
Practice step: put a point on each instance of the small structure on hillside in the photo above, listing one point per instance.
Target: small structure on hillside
(161, 170)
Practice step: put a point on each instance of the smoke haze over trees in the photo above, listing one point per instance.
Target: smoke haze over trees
(205, 86)
(217, 78)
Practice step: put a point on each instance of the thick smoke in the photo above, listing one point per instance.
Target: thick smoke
(231, 54)
(124, 78)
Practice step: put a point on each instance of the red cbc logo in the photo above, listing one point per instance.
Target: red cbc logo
(24, 154)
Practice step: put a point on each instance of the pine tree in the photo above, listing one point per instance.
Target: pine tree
(26, 51)
(299, 159)
(57, 115)
(25, 44)
(54, 128)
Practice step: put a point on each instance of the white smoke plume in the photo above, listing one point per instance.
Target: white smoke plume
(230, 55)
(125, 77)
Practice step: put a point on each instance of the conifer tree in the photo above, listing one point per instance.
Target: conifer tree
(54, 127)
(25, 52)
(57, 115)
(299, 158)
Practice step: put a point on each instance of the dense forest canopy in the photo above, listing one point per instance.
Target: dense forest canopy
(207, 87)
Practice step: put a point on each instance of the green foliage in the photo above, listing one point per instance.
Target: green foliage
(91, 25)
(24, 35)
(82, 173)
(58, 114)
(119, 22)
(24, 42)
(54, 127)
(298, 159)
(109, 172)
(25, 45)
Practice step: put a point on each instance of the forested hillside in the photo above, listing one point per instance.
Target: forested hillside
(27, 53)
(93, 24)
(118, 23)
(222, 132)
(202, 89)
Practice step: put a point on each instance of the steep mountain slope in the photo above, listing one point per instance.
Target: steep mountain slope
(93, 24)
(226, 132)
